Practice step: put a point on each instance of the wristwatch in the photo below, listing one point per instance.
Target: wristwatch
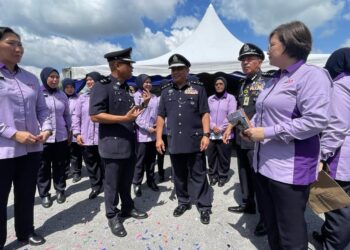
(206, 134)
(143, 105)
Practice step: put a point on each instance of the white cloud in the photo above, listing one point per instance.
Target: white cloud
(149, 45)
(346, 43)
(62, 52)
(76, 32)
(84, 19)
(185, 22)
(263, 16)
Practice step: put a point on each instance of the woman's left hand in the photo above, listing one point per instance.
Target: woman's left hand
(43, 136)
(255, 134)
(146, 95)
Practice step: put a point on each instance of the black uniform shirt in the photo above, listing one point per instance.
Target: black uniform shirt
(116, 141)
(250, 90)
(184, 109)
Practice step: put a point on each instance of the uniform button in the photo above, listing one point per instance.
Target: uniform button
(180, 98)
(180, 114)
(180, 123)
(180, 106)
(119, 99)
(180, 132)
(115, 138)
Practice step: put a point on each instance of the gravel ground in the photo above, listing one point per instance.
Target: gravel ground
(80, 223)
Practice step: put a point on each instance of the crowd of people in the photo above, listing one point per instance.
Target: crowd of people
(299, 125)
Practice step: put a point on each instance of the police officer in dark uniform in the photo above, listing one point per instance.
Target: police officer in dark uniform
(113, 108)
(251, 58)
(185, 105)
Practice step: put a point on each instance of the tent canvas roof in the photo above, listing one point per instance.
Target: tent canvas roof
(211, 48)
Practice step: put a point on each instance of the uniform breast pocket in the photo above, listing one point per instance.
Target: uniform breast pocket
(192, 102)
(122, 103)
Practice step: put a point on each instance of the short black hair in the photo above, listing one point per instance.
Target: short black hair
(5, 30)
(296, 38)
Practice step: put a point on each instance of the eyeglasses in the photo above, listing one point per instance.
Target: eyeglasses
(14, 43)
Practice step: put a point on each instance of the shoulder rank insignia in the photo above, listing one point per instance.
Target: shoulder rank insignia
(105, 80)
(196, 83)
(269, 74)
(166, 85)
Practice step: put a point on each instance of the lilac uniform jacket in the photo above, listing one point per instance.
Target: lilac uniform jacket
(60, 117)
(81, 122)
(23, 108)
(293, 108)
(335, 140)
(72, 102)
(147, 119)
(220, 108)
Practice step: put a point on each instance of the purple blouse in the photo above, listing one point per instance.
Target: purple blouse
(23, 108)
(293, 109)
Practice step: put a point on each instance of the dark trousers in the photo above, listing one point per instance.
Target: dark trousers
(336, 228)
(245, 173)
(22, 173)
(284, 207)
(190, 179)
(93, 165)
(160, 157)
(219, 159)
(146, 160)
(118, 178)
(75, 158)
(54, 156)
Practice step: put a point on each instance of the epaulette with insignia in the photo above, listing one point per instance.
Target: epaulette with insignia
(196, 83)
(166, 85)
(105, 80)
(269, 74)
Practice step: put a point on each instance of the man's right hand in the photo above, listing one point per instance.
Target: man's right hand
(160, 146)
(133, 113)
(25, 137)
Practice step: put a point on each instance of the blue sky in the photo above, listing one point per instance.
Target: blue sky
(79, 32)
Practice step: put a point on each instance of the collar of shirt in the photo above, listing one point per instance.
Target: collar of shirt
(341, 76)
(181, 87)
(3, 66)
(222, 97)
(252, 78)
(290, 69)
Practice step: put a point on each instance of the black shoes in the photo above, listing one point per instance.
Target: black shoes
(137, 190)
(180, 210)
(94, 193)
(317, 237)
(222, 182)
(260, 229)
(205, 217)
(76, 178)
(134, 213)
(161, 178)
(46, 201)
(153, 186)
(117, 227)
(242, 209)
(61, 197)
(213, 181)
(33, 239)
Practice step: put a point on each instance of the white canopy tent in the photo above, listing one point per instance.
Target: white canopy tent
(210, 49)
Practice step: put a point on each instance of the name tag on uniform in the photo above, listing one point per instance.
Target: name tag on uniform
(191, 91)
(246, 101)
